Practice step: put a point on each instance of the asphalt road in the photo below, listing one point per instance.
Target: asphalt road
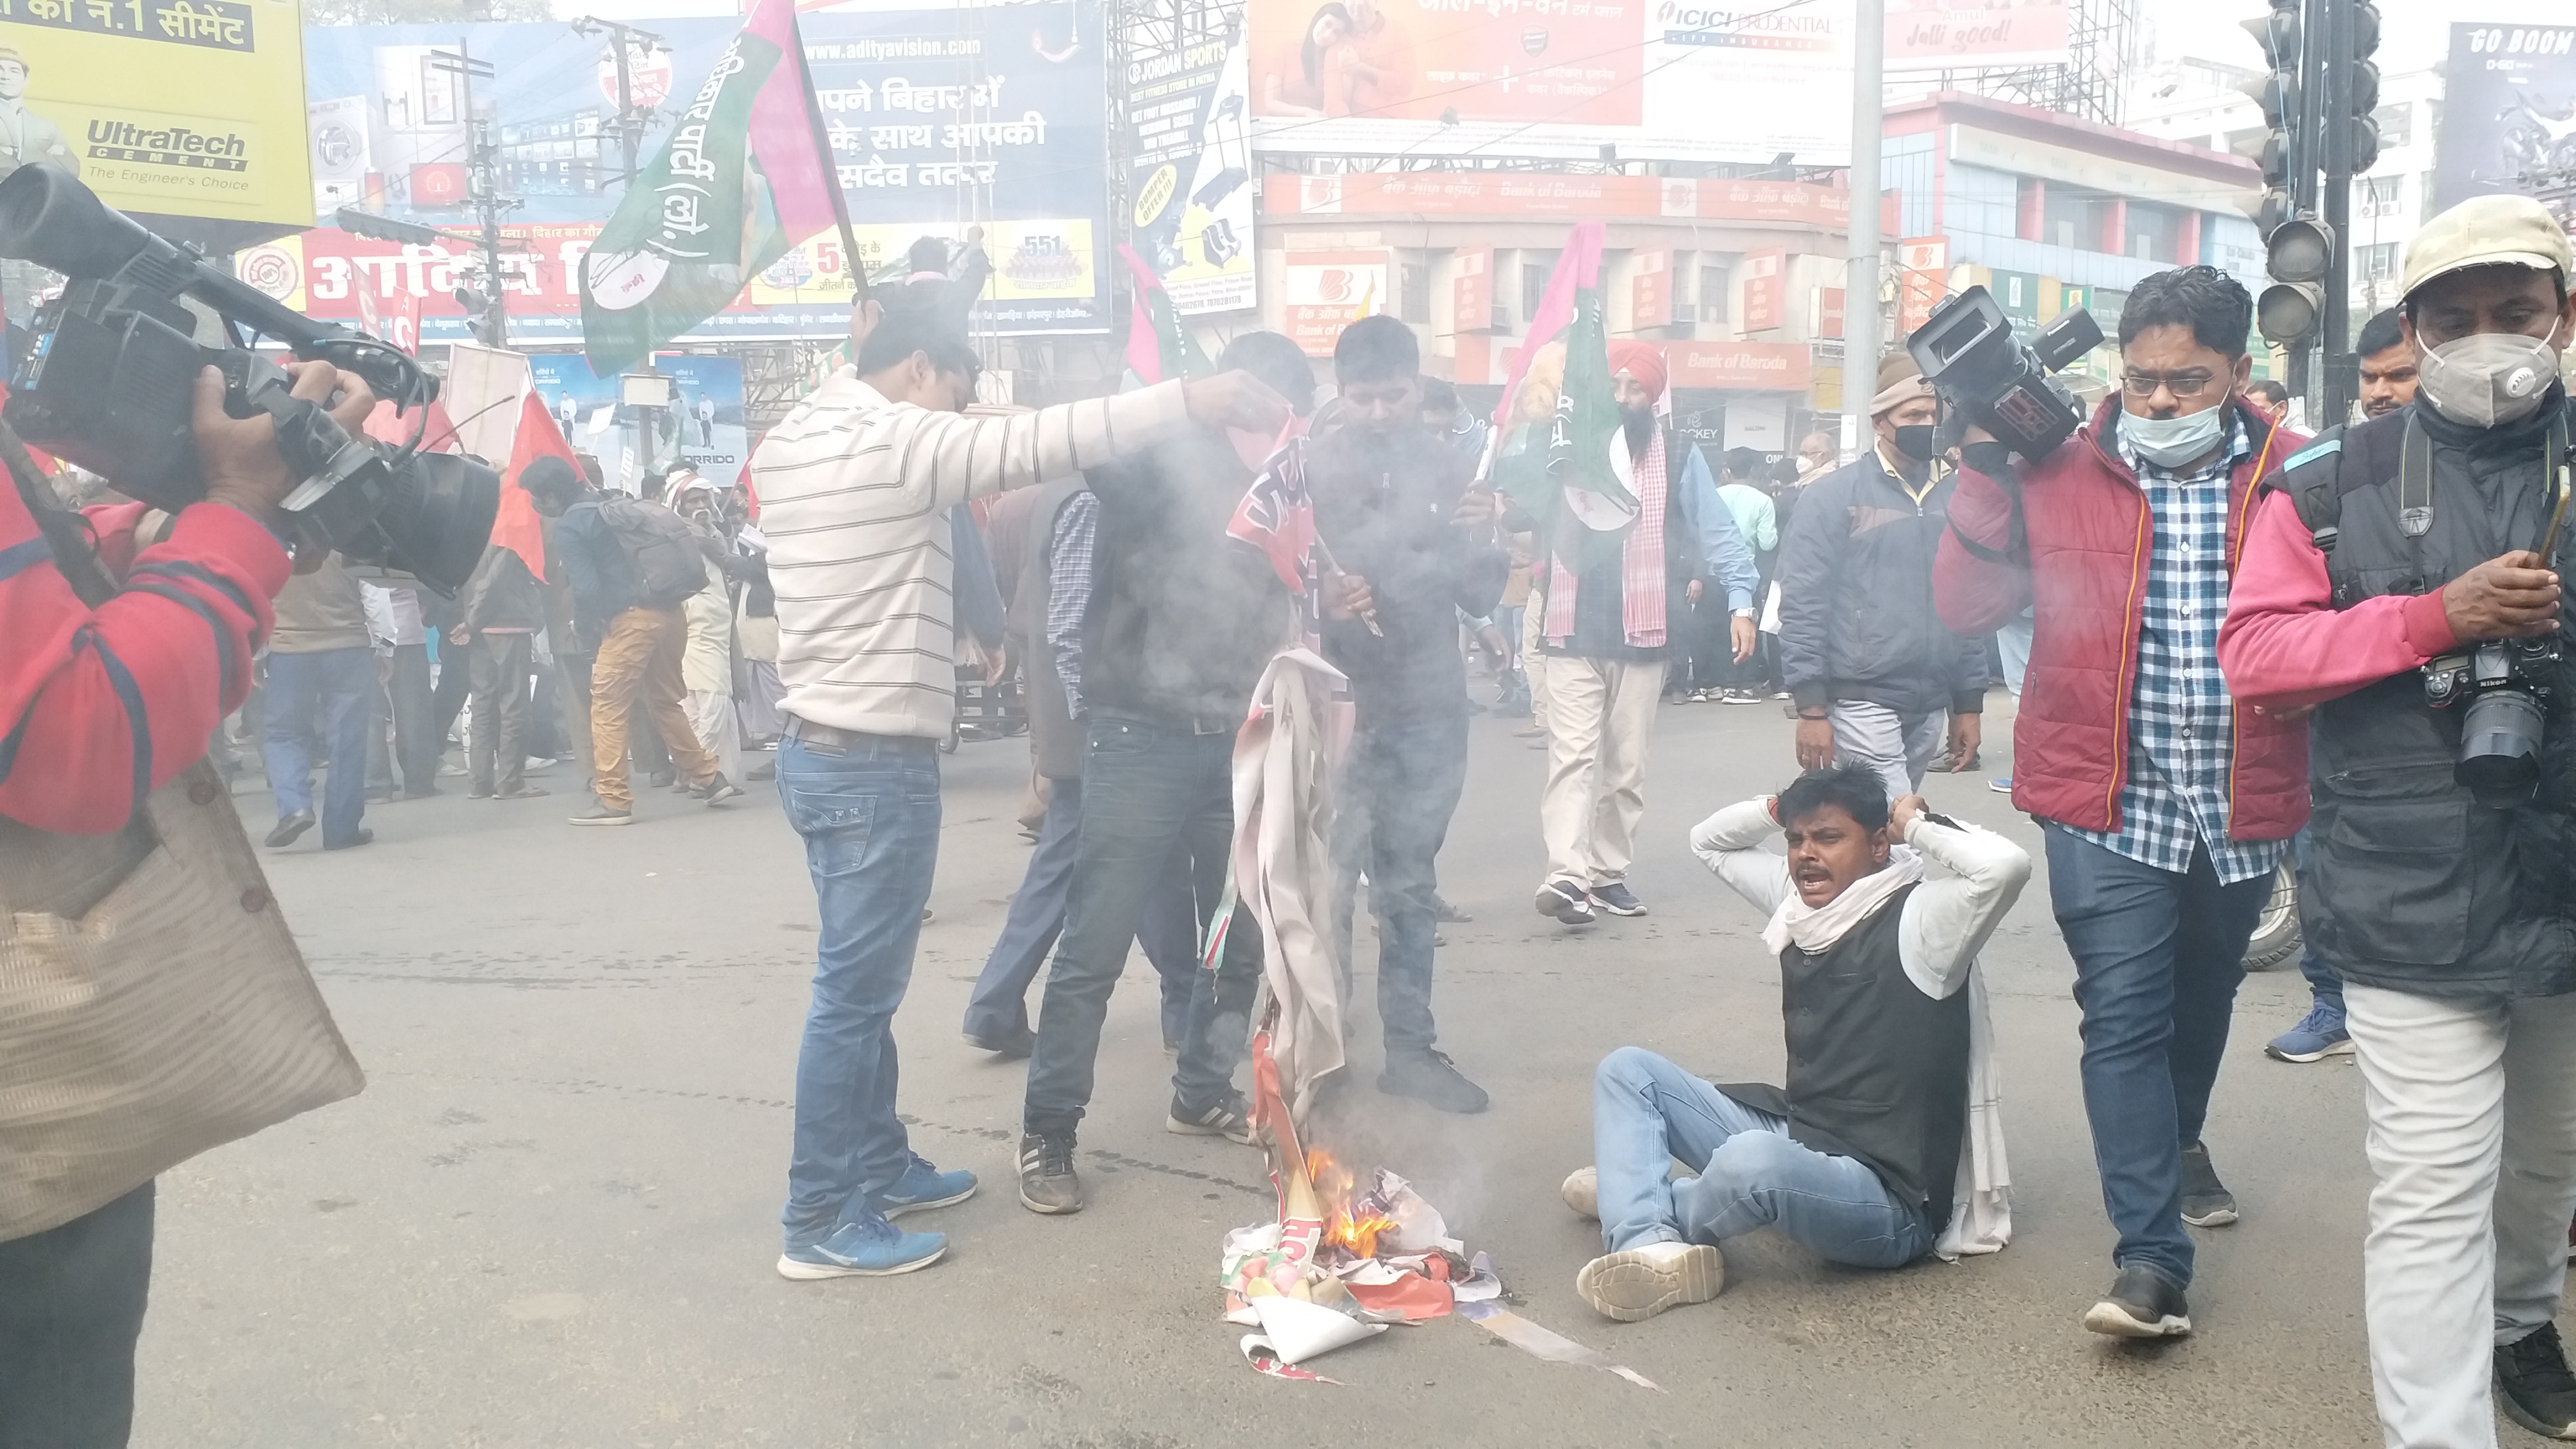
(550, 1218)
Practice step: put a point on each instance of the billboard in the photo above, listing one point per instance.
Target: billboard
(1190, 158)
(1931, 35)
(2509, 117)
(939, 123)
(166, 108)
(1328, 291)
(707, 407)
(1656, 79)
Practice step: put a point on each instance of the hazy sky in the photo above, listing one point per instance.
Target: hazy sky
(2414, 34)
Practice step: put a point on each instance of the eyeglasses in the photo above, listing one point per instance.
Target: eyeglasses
(2181, 384)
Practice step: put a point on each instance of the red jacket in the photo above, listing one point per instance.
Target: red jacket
(99, 706)
(2089, 536)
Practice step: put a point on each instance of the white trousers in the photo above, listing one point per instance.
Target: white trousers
(1533, 658)
(1895, 746)
(2472, 1107)
(1598, 713)
(711, 715)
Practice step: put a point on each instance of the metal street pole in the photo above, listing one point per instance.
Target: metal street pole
(630, 117)
(1860, 283)
(2342, 371)
(483, 185)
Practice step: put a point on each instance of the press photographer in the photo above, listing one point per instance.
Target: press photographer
(2165, 806)
(2402, 578)
(152, 1002)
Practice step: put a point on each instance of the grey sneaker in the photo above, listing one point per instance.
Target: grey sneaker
(718, 790)
(2206, 1202)
(1617, 899)
(1217, 1119)
(1567, 902)
(2141, 1304)
(1048, 1183)
(1430, 1076)
(2538, 1391)
(599, 814)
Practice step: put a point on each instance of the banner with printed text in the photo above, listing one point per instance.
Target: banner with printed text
(1190, 172)
(938, 122)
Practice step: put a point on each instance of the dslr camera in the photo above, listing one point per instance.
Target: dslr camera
(110, 385)
(1968, 353)
(2504, 685)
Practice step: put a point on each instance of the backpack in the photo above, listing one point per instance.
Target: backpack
(660, 545)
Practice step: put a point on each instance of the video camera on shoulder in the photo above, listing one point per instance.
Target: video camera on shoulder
(1968, 353)
(110, 386)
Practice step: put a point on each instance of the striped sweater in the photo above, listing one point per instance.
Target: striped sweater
(854, 498)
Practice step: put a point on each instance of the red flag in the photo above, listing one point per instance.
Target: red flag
(516, 527)
(1577, 267)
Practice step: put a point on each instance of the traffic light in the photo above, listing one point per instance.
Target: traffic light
(2278, 93)
(482, 314)
(2295, 245)
(2361, 84)
(2296, 256)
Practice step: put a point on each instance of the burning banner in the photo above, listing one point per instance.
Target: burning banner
(1344, 1257)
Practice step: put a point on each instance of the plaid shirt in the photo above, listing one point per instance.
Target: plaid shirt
(2182, 732)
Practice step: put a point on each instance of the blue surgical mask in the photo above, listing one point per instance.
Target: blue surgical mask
(2172, 442)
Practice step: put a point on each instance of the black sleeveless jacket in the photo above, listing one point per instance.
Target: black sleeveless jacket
(1878, 1071)
(2410, 884)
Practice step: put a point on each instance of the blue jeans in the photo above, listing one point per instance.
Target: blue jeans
(2158, 956)
(1148, 791)
(71, 1307)
(1398, 789)
(332, 688)
(1646, 1112)
(2325, 983)
(870, 820)
(1170, 937)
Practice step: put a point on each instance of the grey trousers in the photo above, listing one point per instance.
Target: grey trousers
(497, 744)
(1897, 746)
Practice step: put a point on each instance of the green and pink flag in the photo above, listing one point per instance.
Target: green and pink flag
(746, 174)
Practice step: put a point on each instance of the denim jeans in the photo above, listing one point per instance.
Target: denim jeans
(330, 687)
(870, 819)
(1646, 1112)
(71, 1307)
(1165, 930)
(1398, 789)
(2158, 956)
(1147, 790)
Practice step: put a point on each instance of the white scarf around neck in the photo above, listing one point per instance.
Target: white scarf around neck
(1818, 928)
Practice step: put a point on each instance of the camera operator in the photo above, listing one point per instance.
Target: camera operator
(107, 692)
(2165, 806)
(2441, 882)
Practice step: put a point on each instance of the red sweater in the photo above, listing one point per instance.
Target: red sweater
(2286, 646)
(98, 706)
(2089, 537)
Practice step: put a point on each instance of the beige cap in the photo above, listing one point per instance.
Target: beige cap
(2488, 231)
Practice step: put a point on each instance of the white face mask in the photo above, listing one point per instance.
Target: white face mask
(2174, 441)
(2488, 379)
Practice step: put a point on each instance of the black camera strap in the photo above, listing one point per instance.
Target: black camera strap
(67, 535)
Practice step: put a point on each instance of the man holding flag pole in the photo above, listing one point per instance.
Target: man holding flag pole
(1623, 507)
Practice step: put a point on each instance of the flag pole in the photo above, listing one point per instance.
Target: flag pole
(859, 289)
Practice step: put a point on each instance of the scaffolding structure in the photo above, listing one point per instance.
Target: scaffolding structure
(2106, 46)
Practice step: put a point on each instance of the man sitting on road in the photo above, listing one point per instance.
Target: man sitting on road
(1886, 1144)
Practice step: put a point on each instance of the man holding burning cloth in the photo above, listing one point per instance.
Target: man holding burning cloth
(1886, 1144)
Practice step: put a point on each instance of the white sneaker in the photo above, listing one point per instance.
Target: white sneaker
(1637, 1284)
(1582, 1192)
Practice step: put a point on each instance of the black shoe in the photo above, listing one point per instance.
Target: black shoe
(289, 827)
(663, 779)
(423, 793)
(1009, 1046)
(363, 836)
(718, 790)
(1048, 1183)
(1567, 902)
(1618, 900)
(1430, 1076)
(2206, 1202)
(2539, 1393)
(765, 770)
(2141, 1304)
(1224, 1119)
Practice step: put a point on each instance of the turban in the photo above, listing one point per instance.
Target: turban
(1643, 361)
